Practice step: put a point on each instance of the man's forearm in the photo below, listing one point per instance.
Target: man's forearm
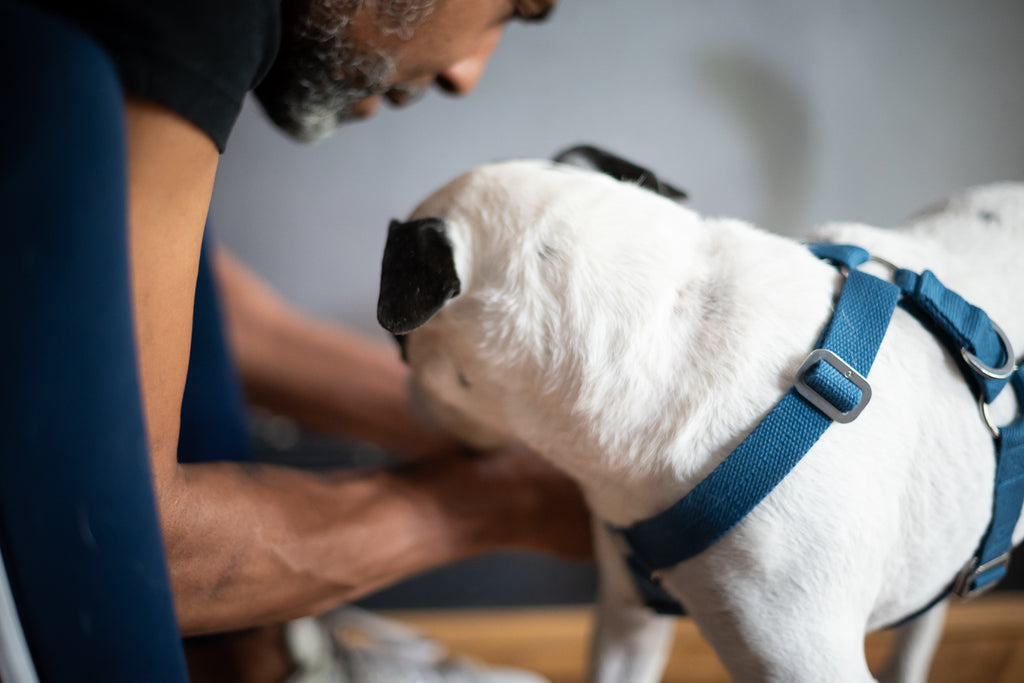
(259, 544)
(251, 545)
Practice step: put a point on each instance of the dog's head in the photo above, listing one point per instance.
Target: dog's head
(511, 282)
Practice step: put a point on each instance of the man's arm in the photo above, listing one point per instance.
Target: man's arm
(249, 545)
(262, 544)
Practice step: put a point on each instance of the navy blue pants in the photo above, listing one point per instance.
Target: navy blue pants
(78, 527)
(213, 416)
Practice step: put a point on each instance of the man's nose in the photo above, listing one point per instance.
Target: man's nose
(463, 75)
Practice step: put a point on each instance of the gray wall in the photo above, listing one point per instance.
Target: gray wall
(782, 112)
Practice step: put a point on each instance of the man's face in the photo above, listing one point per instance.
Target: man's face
(339, 59)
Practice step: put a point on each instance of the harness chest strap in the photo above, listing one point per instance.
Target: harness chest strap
(987, 363)
(988, 566)
(830, 386)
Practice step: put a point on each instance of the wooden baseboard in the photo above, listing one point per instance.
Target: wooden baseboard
(983, 642)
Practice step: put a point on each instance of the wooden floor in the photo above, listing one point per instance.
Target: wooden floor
(983, 642)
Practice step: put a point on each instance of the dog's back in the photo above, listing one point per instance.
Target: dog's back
(924, 459)
(974, 243)
(635, 344)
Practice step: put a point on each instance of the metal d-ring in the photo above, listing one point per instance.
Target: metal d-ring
(892, 267)
(986, 417)
(987, 371)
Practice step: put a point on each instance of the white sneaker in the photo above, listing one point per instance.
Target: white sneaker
(351, 645)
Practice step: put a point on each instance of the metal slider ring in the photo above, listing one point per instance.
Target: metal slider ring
(889, 265)
(986, 417)
(987, 371)
(892, 267)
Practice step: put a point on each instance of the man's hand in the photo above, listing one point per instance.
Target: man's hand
(556, 519)
(520, 500)
(260, 544)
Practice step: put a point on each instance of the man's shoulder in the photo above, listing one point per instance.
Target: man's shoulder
(195, 57)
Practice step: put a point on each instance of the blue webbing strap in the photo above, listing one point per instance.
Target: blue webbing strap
(653, 595)
(963, 326)
(778, 443)
(841, 254)
(988, 565)
(993, 555)
(770, 452)
(959, 324)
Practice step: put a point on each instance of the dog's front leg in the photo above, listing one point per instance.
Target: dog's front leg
(630, 642)
(914, 648)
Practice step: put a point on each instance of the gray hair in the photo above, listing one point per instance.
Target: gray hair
(403, 17)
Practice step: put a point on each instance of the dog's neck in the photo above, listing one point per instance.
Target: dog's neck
(659, 413)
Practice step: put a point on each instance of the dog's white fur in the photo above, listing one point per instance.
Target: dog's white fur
(635, 343)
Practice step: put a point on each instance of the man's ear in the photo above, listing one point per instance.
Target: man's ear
(596, 159)
(417, 274)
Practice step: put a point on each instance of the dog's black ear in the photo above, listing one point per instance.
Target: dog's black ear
(417, 275)
(596, 159)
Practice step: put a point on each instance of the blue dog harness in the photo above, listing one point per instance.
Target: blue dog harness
(831, 387)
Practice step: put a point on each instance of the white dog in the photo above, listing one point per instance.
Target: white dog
(635, 344)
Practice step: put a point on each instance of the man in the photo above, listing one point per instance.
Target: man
(248, 545)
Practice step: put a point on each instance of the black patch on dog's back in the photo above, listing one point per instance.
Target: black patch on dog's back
(597, 159)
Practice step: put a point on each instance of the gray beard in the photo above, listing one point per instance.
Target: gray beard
(320, 74)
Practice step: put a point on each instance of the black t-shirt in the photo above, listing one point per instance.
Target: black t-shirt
(197, 57)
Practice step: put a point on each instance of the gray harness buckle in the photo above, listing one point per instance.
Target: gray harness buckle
(971, 571)
(822, 403)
